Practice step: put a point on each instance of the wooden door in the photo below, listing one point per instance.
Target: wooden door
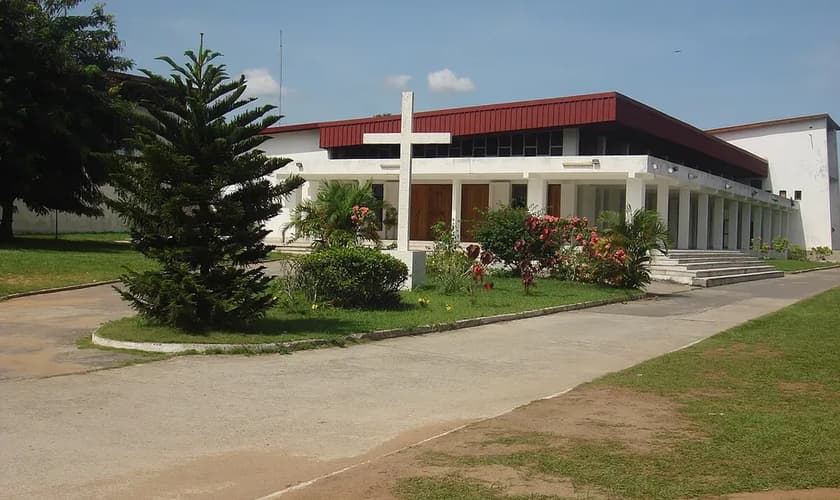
(553, 206)
(475, 198)
(430, 203)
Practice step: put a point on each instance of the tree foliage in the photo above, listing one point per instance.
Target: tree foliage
(195, 194)
(60, 117)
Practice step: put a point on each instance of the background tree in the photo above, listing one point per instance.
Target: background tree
(196, 197)
(328, 219)
(60, 120)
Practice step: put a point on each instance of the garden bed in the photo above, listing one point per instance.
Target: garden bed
(332, 323)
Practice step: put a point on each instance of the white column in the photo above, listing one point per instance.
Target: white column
(499, 194)
(785, 225)
(662, 193)
(537, 193)
(311, 189)
(777, 223)
(456, 208)
(717, 223)
(588, 198)
(766, 225)
(568, 199)
(746, 225)
(758, 222)
(684, 227)
(732, 242)
(571, 141)
(635, 195)
(702, 221)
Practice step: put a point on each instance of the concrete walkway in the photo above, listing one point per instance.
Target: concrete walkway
(244, 427)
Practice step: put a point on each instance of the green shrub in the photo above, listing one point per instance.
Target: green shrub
(353, 277)
(796, 252)
(821, 253)
(499, 230)
(637, 236)
(780, 244)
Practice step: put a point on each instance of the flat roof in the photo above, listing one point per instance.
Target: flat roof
(832, 125)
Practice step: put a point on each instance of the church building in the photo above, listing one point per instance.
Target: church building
(582, 155)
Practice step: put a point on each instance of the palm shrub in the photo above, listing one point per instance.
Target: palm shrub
(195, 194)
(638, 235)
(342, 214)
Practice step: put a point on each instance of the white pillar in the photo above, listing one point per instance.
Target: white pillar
(537, 193)
(635, 195)
(746, 225)
(717, 223)
(785, 224)
(311, 189)
(702, 221)
(456, 208)
(732, 242)
(571, 141)
(568, 199)
(766, 225)
(777, 223)
(758, 220)
(588, 198)
(684, 227)
(662, 193)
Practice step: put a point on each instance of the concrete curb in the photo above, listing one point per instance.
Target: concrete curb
(835, 266)
(55, 290)
(175, 348)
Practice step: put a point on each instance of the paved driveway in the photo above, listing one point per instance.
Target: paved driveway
(243, 427)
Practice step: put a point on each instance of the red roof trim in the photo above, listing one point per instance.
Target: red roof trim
(832, 125)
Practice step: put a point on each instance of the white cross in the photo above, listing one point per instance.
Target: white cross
(405, 138)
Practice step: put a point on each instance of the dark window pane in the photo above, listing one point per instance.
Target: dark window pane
(797, 195)
(518, 195)
(543, 140)
(504, 140)
(783, 193)
(493, 146)
(467, 147)
(517, 145)
(530, 140)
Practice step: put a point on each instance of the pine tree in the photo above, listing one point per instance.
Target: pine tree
(195, 194)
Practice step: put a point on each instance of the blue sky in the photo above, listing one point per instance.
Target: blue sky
(740, 61)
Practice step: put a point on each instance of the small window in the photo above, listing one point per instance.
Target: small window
(492, 146)
(755, 183)
(797, 195)
(517, 145)
(783, 193)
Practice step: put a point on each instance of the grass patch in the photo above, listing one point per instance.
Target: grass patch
(331, 323)
(454, 487)
(763, 398)
(36, 263)
(112, 237)
(797, 265)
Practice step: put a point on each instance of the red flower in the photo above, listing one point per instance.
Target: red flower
(488, 286)
(486, 258)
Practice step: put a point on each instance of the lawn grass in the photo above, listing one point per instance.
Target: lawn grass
(763, 399)
(797, 265)
(36, 263)
(123, 237)
(334, 323)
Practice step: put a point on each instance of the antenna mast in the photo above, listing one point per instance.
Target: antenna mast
(280, 97)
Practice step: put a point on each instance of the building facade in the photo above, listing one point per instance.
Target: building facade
(578, 155)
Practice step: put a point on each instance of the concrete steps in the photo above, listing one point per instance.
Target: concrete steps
(710, 267)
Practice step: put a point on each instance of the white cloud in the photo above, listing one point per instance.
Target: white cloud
(262, 84)
(397, 81)
(446, 80)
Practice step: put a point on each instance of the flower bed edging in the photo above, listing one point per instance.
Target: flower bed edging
(823, 268)
(176, 348)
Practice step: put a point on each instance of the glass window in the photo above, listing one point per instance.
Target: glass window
(492, 146)
(797, 195)
(783, 193)
(504, 145)
(479, 146)
(518, 195)
(516, 145)
(466, 147)
(543, 143)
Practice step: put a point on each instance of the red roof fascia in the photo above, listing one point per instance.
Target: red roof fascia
(486, 119)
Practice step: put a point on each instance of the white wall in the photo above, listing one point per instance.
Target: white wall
(799, 156)
(27, 222)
